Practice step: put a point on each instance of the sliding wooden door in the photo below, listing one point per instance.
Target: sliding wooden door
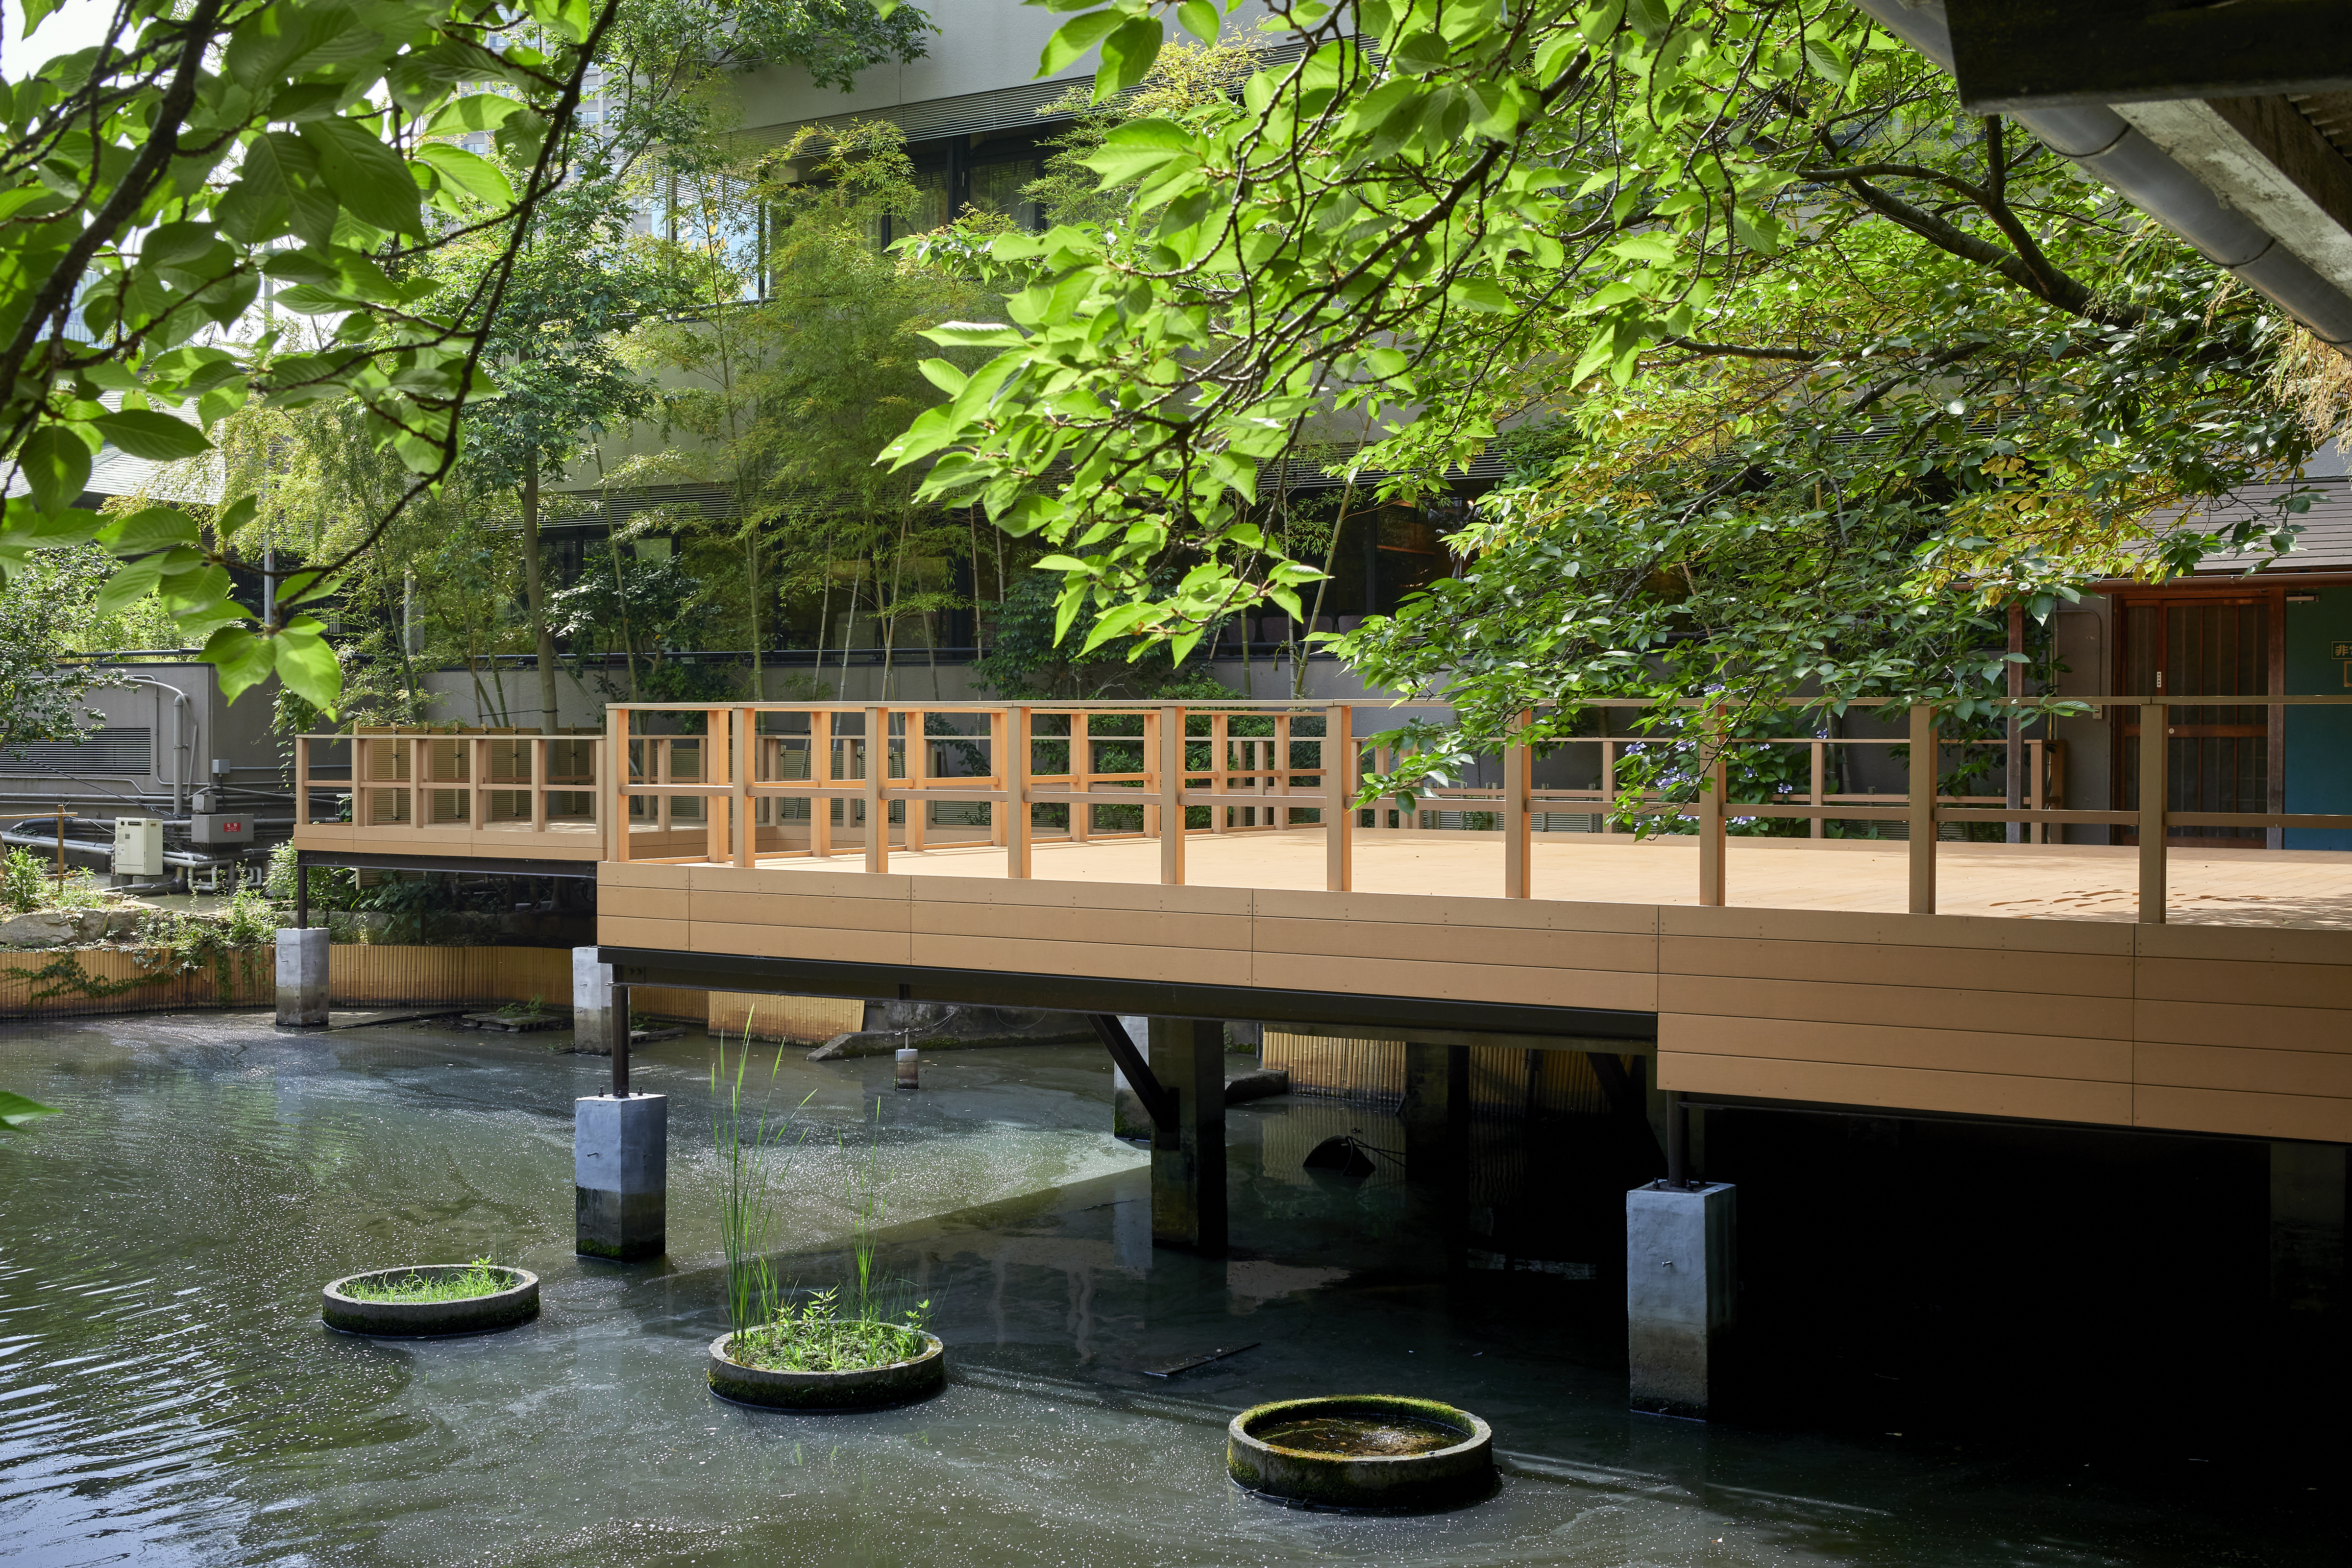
(2220, 756)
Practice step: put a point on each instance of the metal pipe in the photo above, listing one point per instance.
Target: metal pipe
(620, 1042)
(1677, 1142)
(183, 740)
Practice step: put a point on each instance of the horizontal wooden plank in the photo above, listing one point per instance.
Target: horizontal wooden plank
(2245, 1114)
(2221, 1066)
(801, 942)
(2245, 944)
(1028, 893)
(640, 874)
(1950, 1050)
(2253, 1025)
(845, 883)
(623, 931)
(1910, 1088)
(1173, 965)
(1134, 928)
(2091, 974)
(1466, 944)
(1914, 1006)
(2237, 980)
(1504, 984)
(1416, 908)
(653, 903)
(786, 912)
(1979, 931)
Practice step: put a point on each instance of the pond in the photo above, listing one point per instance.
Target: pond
(167, 1394)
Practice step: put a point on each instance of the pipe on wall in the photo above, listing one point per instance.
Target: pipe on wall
(184, 739)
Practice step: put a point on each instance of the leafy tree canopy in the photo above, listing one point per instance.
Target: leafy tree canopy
(1803, 370)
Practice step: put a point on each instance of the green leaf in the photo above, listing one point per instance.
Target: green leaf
(243, 658)
(158, 438)
(1137, 148)
(1479, 294)
(943, 375)
(476, 112)
(307, 664)
(476, 175)
(1074, 38)
(16, 1110)
(976, 335)
(1128, 54)
(368, 178)
(56, 462)
(1200, 19)
(126, 588)
(151, 529)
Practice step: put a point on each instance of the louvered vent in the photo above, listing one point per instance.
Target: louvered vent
(119, 751)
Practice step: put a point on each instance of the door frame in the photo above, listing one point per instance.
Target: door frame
(2237, 592)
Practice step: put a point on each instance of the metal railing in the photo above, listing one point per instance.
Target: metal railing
(737, 783)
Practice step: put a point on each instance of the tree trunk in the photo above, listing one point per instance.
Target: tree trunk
(535, 588)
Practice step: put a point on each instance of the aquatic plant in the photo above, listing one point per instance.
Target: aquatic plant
(479, 1278)
(749, 1143)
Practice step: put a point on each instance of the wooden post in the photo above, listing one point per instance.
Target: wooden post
(820, 775)
(2274, 726)
(1338, 798)
(1016, 769)
(1220, 762)
(1171, 801)
(1151, 770)
(2036, 766)
(1821, 773)
(1281, 813)
(999, 748)
(613, 793)
(2154, 759)
(878, 810)
(2013, 757)
(478, 796)
(1082, 782)
(302, 781)
(747, 832)
(916, 807)
(1922, 786)
(539, 756)
(1518, 829)
(1608, 782)
(419, 761)
(1714, 784)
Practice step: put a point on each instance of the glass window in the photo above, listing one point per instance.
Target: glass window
(996, 188)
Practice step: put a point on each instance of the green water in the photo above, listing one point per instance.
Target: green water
(168, 1396)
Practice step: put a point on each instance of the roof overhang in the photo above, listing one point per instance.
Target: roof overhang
(2227, 124)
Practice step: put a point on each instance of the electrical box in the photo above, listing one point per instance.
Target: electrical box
(137, 846)
(221, 828)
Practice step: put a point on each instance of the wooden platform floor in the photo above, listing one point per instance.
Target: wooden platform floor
(2309, 888)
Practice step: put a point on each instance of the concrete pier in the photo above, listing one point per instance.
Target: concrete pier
(1681, 1293)
(1436, 1113)
(620, 1175)
(1128, 1118)
(2307, 1205)
(302, 977)
(1188, 1161)
(591, 1002)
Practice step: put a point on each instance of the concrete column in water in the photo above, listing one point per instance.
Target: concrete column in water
(1128, 1118)
(2307, 1204)
(302, 977)
(591, 1002)
(1681, 1293)
(620, 1175)
(1436, 1112)
(1188, 1161)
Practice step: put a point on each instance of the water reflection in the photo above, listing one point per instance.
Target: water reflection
(167, 1394)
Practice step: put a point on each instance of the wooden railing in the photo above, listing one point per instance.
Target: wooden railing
(451, 782)
(740, 782)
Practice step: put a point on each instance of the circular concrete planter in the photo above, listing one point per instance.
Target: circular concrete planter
(518, 1303)
(868, 1388)
(1460, 1472)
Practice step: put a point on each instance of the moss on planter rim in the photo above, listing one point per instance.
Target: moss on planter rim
(867, 1388)
(1462, 1472)
(518, 1303)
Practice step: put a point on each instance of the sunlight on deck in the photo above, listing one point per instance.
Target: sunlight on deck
(2307, 889)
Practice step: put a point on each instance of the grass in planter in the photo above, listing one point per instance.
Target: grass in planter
(481, 1277)
(816, 1337)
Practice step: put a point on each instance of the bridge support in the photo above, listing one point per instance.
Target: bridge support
(1129, 1117)
(2307, 1204)
(1188, 1149)
(1681, 1293)
(302, 977)
(591, 1002)
(1436, 1113)
(620, 1175)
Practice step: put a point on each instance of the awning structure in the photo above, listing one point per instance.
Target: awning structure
(2228, 124)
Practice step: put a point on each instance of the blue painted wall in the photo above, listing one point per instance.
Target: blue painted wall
(2319, 740)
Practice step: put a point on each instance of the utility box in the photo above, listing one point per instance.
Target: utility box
(137, 846)
(221, 828)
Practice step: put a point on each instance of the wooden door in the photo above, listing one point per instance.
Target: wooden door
(2221, 756)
